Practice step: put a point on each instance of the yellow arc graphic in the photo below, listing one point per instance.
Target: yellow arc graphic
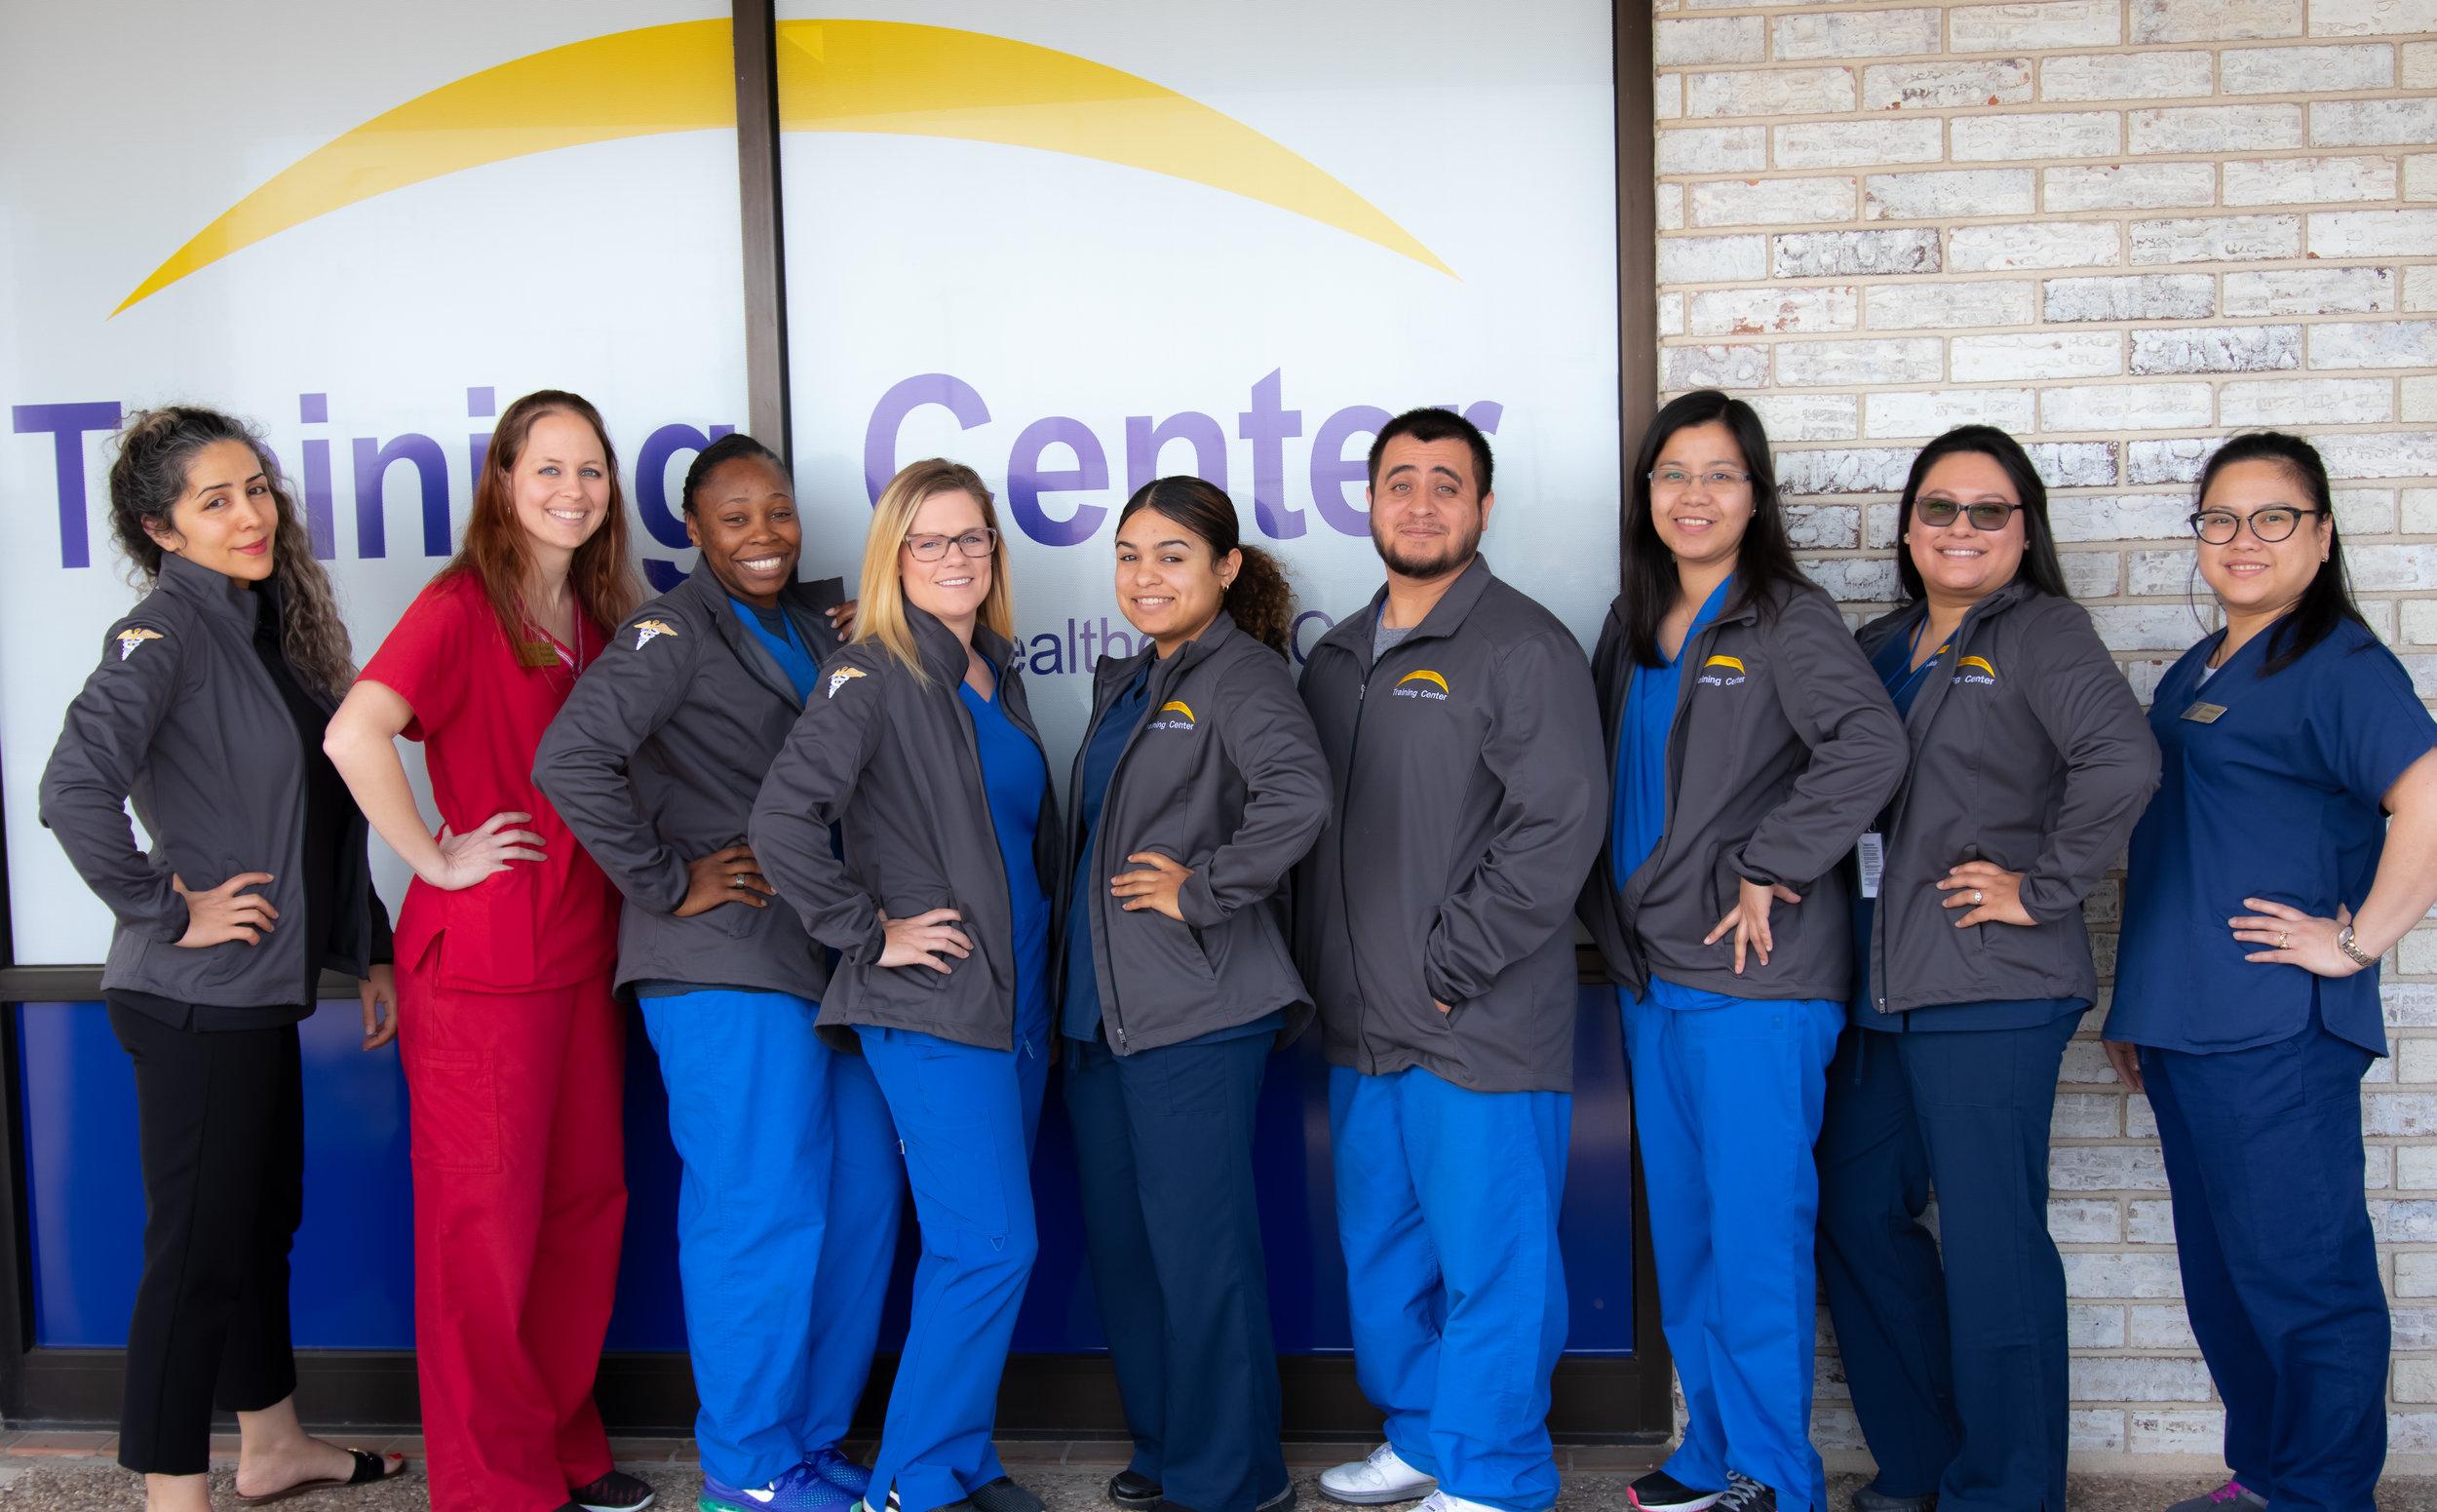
(1724, 661)
(1423, 676)
(1978, 662)
(886, 77)
(1179, 707)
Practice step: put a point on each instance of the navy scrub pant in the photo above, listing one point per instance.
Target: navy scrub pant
(1726, 1100)
(1164, 1147)
(1958, 1370)
(1447, 1209)
(2280, 1268)
(965, 1117)
(786, 1223)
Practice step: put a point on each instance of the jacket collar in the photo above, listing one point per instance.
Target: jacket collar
(1115, 672)
(703, 590)
(215, 592)
(944, 655)
(1446, 618)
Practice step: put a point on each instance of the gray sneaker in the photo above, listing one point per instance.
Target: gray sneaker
(2232, 1497)
(1870, 1498)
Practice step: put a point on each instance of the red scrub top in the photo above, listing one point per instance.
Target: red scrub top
(481, 715)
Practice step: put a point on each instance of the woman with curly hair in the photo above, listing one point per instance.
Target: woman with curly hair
(1199, 785)
(208, 711)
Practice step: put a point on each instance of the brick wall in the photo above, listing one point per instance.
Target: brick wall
(2116, 228)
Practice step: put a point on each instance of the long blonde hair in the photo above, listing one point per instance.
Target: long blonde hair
(882, 616)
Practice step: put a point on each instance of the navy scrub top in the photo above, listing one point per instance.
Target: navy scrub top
(1015, 778)
(1904, 682)
(2276, 798)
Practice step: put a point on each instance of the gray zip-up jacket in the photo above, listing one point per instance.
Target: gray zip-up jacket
(2030, 751)
(182, 719)
(1784, 748)
(1224, 775)
(656, 760)
(1464, 766)
(895, 764)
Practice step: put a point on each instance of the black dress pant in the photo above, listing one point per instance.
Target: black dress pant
(220, 1117)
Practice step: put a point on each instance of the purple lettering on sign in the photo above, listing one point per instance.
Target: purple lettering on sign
(1332, 470)
(651, 480)
(1028, 480)
(66, 425)
(1145, 441)
(879, 437)
(1294, 631)
(373, 464)
(1267, 426)
(321, 510)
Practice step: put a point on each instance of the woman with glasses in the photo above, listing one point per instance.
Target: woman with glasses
(2030, 762)
(1750, 746)
(918, 746)
(2265, 881)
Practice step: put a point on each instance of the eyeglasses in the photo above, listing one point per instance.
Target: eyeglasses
(1672, 479)
(2218, 526)
(973, 543)
(1987, 515)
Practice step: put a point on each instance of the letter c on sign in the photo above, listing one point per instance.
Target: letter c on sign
(879, 438)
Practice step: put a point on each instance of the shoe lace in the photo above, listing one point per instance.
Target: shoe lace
(1381, 1457)
(2231, 1490)
(1741, 1492)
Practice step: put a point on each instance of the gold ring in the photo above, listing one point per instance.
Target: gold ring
(2284, 941)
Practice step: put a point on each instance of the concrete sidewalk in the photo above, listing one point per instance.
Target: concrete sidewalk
(75, 1472)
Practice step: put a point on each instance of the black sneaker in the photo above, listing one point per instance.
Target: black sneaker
(1004, 1496)
(1870, 1498)
(616, 1492)
(1129, 1489)
(1659, 1491)
(1746, 1494)
(1283, 1501)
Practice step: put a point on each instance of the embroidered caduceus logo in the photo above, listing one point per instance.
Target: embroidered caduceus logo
(133, 636)
(646, 628)
(839, 677)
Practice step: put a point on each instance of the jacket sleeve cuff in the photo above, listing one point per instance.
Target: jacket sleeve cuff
(1752, 869)
(170, 919)
(1441, 989)
(669, 887)
(1198, 904)
(2046, 901)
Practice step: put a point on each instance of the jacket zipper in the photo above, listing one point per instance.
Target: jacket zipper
(1345, 901)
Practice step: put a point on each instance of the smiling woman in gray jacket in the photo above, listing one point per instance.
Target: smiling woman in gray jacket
(2030, 763)
(208, 711)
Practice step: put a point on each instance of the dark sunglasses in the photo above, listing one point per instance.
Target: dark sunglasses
(1984, 516)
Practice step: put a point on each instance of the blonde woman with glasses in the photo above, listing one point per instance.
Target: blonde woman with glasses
(918, 746)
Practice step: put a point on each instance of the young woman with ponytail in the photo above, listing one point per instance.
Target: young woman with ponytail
(1200, 783)
(208, 711)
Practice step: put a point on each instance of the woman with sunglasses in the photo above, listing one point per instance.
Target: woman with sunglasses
(2265, 881)
(919, 745)
(1750, 746)
(2030, 762)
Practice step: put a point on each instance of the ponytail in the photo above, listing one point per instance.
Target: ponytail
(1259, 599)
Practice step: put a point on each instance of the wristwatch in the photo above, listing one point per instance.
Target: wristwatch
(2343, 943)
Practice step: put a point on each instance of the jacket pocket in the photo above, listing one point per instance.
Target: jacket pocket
(452, 1097)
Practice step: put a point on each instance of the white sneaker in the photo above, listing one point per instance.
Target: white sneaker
(1383, 1477)
(1442, 1501)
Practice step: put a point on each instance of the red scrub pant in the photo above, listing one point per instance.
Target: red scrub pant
(520, 1208)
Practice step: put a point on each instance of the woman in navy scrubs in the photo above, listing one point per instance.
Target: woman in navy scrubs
(2030, 761)
(1199, 785)
(2264, 884)
(917, 744)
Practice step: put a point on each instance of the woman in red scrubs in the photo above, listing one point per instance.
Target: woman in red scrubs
(514, 1046)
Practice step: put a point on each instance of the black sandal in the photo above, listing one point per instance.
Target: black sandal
(369, 1468)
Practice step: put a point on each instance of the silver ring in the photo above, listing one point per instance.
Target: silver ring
(740, 879)
(1978, 896)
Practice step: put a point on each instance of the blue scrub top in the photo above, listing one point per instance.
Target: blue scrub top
(2276, 798)
(1079, 1017)
(1904, 682)
(777, 635)
(1015, 778)
(1641, 807)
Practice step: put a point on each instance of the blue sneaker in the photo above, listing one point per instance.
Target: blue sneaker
(839, 1470)
(796, 1489)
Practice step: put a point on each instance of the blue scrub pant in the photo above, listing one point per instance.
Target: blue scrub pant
(2280, 1268)
(787, 1222)
(1727, 1101)
(1164, 1148)
(1447, 1210)
(1958, 1370)
(966, 1117)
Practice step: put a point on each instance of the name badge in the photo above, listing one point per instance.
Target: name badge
(2204, 714)
(1872, 853)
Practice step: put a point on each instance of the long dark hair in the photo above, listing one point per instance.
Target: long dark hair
(1258, 601)
(493, 553)
(2328, 598)
(727, 448)
(2040, 568)
(1764, 559)
(148, 477)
